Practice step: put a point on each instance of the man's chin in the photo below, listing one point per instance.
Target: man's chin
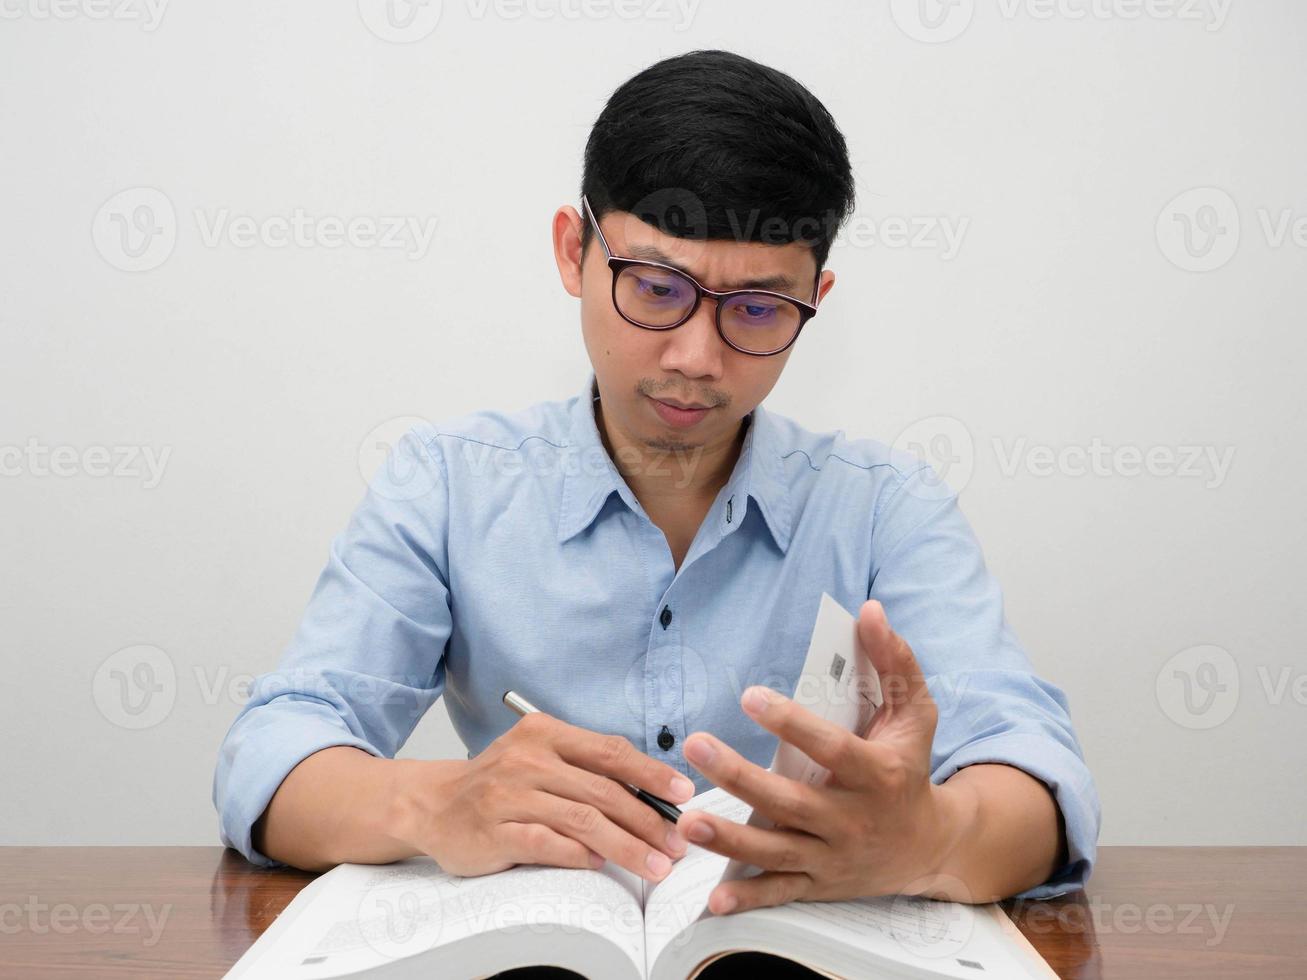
(672, 443)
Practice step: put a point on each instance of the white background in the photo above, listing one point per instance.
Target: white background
(1074, 313)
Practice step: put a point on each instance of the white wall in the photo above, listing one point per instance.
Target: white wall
(1065, 317)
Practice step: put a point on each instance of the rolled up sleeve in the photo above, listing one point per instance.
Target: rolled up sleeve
(930, 575)
(367, 659)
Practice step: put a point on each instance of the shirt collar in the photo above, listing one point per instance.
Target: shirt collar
(590, 476)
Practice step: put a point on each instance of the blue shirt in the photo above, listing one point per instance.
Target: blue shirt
(499, 551)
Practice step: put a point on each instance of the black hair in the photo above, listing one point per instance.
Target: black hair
(712, 145)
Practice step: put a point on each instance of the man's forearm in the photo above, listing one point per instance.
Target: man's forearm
(337, 805)
(1008, 837)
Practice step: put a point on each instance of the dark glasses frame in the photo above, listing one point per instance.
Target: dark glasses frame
(618, 263)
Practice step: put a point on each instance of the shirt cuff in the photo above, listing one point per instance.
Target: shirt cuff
(276, 737)
(1067, 776)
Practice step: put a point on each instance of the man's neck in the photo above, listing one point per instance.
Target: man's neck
(663, 478)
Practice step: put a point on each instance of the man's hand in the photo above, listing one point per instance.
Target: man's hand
(541, 793)
(878, 826)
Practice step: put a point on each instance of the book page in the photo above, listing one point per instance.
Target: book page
(677, 901)
(943, 938)
(365, 916)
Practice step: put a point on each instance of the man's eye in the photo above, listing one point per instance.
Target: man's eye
(657, 289)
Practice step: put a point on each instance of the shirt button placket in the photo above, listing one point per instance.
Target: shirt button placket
(664, 687)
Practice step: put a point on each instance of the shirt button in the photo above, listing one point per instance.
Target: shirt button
(666, 739)
(666, 617)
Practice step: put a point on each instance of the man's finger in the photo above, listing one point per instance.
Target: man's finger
(615, 756)
(618, 804)
(785, 801)
(904, 686)
(589, 825)
(771, 850)
(846, 755)
(766, 889)
(534, 843)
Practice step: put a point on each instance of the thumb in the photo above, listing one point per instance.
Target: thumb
(902, 683)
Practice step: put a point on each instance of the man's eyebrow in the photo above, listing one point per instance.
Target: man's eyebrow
(777, 283)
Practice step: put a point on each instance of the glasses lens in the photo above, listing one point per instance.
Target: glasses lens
(758, 322)
(653, 297)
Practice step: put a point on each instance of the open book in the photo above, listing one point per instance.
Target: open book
(411, 919)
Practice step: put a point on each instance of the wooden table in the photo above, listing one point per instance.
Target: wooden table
(1152, 912)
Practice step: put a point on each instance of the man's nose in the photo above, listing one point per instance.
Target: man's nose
(695, 348)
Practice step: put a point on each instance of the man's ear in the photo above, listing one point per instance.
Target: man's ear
(827, 283)
(567, 248)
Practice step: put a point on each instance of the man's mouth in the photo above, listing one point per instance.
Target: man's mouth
(678, 417)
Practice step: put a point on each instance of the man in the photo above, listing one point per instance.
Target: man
(645, 561)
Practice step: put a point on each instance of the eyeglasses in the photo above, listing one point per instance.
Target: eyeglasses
(655, 296)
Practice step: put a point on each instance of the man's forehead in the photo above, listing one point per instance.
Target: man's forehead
(745, 264)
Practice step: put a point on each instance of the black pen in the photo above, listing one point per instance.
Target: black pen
(667, 810)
